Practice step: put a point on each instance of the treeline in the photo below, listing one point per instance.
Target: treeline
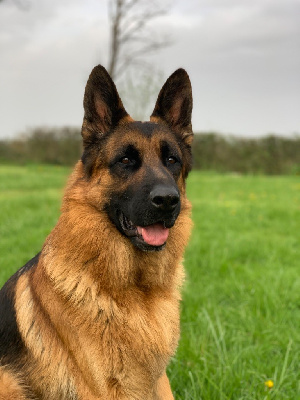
(271, 155)
(61, 146)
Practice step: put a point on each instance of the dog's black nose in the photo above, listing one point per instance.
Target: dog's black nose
(164, 197)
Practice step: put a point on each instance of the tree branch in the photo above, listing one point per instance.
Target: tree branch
(130, 20)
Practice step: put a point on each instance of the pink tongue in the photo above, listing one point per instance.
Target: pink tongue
(155, 235)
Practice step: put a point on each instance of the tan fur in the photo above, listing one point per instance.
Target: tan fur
(131, 303)
(10, 386)
(100, 318)
(164, 388)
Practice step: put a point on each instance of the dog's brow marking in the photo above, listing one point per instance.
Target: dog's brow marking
(145, 128)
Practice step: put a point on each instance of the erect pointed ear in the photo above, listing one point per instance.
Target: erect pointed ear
(174, 105)
(103, 108)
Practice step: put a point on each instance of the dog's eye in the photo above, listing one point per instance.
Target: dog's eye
(172, 160)
(125, 160)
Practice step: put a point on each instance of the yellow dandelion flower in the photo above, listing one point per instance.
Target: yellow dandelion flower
(269, 384)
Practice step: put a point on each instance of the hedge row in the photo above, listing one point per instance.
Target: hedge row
(268, 155)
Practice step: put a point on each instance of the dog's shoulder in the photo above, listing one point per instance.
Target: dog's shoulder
(11, 344)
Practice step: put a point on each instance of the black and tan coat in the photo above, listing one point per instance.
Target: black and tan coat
(95, 315)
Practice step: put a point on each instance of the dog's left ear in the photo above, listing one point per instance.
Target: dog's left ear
(174, 105)
(103, 108)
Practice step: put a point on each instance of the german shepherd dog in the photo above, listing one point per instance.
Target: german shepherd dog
(95, 315)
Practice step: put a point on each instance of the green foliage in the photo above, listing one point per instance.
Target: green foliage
(241, 301)
(272, 155)
(61, 146)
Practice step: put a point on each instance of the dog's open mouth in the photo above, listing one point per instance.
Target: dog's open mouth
(151, 236)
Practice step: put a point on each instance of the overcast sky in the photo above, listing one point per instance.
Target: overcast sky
(243, 58)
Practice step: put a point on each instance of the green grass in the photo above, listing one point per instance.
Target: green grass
(241, 301)
(30, 200)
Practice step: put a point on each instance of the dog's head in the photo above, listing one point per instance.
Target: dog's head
(138, 167)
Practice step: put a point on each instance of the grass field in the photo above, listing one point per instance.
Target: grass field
(241, 301)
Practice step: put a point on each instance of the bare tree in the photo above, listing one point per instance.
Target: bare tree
(139, 91)
(23, 5)
(131, 36)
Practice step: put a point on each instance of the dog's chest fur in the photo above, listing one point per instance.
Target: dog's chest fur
(105, 343)
(136, 344)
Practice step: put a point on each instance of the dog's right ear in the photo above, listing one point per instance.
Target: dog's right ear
(174, 105)
(103, 108)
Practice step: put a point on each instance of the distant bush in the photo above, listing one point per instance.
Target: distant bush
(271, 155)
(44, 145)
